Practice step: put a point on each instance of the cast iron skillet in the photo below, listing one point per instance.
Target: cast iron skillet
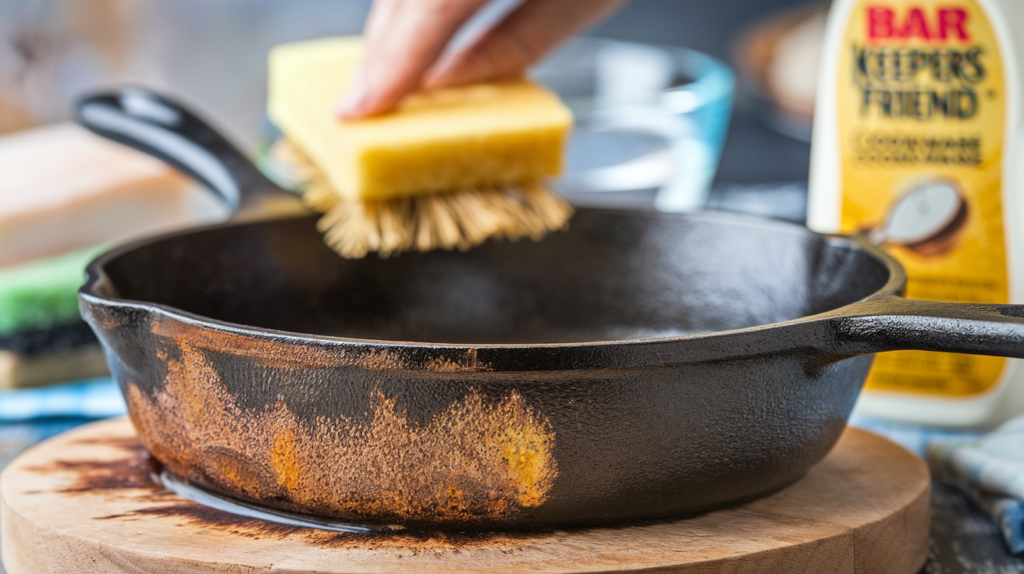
(637, 366)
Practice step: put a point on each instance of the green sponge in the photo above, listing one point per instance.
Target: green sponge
(43, 293)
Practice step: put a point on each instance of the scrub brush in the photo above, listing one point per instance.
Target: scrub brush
(449, 169)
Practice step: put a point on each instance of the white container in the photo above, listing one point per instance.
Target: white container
(919, 141)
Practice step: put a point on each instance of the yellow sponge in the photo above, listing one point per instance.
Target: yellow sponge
(485, 135)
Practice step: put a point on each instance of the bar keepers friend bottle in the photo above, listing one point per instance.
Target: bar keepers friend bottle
(919, 142)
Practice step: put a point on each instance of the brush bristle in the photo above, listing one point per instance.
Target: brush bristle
(455, 220)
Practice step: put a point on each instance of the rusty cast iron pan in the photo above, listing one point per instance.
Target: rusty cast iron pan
(637, 366)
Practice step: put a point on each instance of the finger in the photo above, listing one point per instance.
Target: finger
(381, 12)
(404, 37)
(522, 38)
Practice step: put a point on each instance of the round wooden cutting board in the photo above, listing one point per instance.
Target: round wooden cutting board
(84, 502)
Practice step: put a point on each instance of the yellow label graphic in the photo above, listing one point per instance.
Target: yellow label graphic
(921, 117)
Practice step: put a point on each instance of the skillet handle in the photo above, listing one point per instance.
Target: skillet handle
(157, 126)
(896, 324)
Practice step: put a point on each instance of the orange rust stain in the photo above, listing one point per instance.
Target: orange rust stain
(274, 353)
(284, 460)
(521, 449)
(480, 459)
(455, 500)
(444, 365)
(234, 472)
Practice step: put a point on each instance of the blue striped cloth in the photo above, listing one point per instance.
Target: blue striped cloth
(991, 470)
(91, 399)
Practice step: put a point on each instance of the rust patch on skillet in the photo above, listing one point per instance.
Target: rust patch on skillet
(480, 460)
(447, 365)
(127, 476)
(278, 354)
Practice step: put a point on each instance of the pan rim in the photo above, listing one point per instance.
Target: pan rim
(95, 276)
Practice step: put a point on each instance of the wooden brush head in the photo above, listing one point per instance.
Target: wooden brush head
(457, 219)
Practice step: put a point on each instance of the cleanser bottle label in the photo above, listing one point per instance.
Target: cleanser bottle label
(921, 117)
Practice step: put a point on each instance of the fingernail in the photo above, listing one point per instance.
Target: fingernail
(350, 105)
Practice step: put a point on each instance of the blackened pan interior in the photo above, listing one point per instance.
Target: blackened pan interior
(612, 276)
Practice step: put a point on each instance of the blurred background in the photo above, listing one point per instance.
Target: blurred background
(213, 55)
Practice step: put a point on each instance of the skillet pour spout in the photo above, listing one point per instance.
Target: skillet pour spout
(638, 366)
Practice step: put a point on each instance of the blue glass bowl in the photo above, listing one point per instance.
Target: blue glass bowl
(648, 119)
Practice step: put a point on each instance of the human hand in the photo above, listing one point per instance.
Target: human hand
(406, 39)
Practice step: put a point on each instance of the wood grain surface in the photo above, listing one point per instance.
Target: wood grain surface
(84, 502)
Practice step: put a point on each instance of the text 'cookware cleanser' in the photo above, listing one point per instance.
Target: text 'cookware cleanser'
(919, 142)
